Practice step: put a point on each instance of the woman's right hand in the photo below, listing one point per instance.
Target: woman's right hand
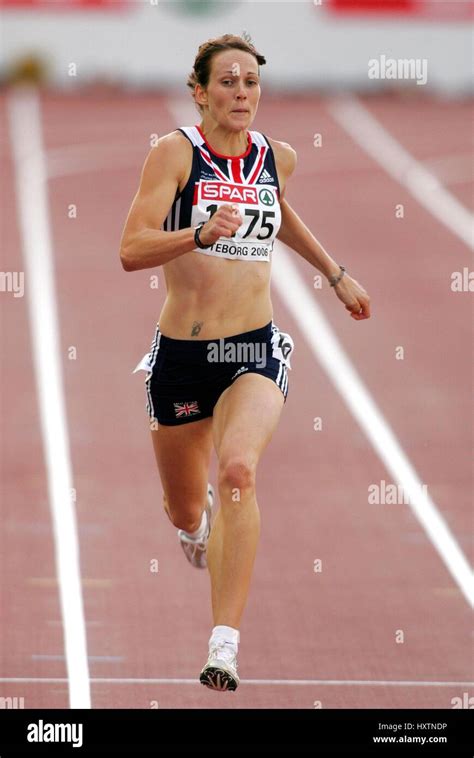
(223, 223)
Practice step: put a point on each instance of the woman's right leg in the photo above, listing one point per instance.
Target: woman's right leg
(183, 455)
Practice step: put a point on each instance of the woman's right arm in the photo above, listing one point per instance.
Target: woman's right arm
(143, 244)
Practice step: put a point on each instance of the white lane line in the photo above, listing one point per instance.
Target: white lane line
(31, 190)
(327, 349)
(94, 157)
(372, 137)
(455, 168)
(278, 682)
(91, 658)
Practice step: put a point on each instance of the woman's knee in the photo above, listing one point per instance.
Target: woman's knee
(186, 514)
(237, 472)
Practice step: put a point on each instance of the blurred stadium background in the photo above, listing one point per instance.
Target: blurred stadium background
(309, 45)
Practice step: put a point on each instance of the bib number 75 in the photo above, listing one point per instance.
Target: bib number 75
(255, 216)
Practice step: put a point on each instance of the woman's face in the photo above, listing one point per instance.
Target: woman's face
(233, 91)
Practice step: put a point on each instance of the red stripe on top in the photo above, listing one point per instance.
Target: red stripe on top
(220, 155)
(236, 172)
(258, 167)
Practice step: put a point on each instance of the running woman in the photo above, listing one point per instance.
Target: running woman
(209, 207)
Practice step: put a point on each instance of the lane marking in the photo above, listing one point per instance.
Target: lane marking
(277, 682)
(57, 622)
(51, 581)
(91, 658)
(377, 142)
(24, 114)
(327, 349)
(454, 168)
(329, 352)
(71, 160)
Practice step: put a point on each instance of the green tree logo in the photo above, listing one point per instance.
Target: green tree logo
(266, 196)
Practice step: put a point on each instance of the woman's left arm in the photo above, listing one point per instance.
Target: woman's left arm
(294, 233)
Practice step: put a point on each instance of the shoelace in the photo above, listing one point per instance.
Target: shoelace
(198, 543)
(224, 651)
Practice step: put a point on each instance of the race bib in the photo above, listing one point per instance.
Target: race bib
(260, 210)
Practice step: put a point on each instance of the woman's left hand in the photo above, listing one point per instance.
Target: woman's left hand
(354, 297)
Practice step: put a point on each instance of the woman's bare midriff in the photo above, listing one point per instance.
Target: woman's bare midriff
(208, 297)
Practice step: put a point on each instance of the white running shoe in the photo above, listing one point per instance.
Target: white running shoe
(195, 550)
(220, 671)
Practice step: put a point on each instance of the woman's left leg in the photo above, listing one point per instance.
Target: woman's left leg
(244, 420)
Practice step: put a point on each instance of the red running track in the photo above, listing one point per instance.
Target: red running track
(380, 571)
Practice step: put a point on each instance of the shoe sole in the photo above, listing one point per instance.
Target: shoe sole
(218, 679)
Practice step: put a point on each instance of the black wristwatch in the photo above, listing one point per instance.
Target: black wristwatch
(197, 240)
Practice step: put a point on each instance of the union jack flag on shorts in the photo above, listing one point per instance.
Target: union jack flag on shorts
(186, 409)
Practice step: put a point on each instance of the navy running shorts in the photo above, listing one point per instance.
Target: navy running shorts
(185, 378)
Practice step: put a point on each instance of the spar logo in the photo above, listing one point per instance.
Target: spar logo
(229, 193)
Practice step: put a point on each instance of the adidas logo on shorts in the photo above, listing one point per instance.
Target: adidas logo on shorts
(240, 371)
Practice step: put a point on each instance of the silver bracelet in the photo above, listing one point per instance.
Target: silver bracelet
(336, 278)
